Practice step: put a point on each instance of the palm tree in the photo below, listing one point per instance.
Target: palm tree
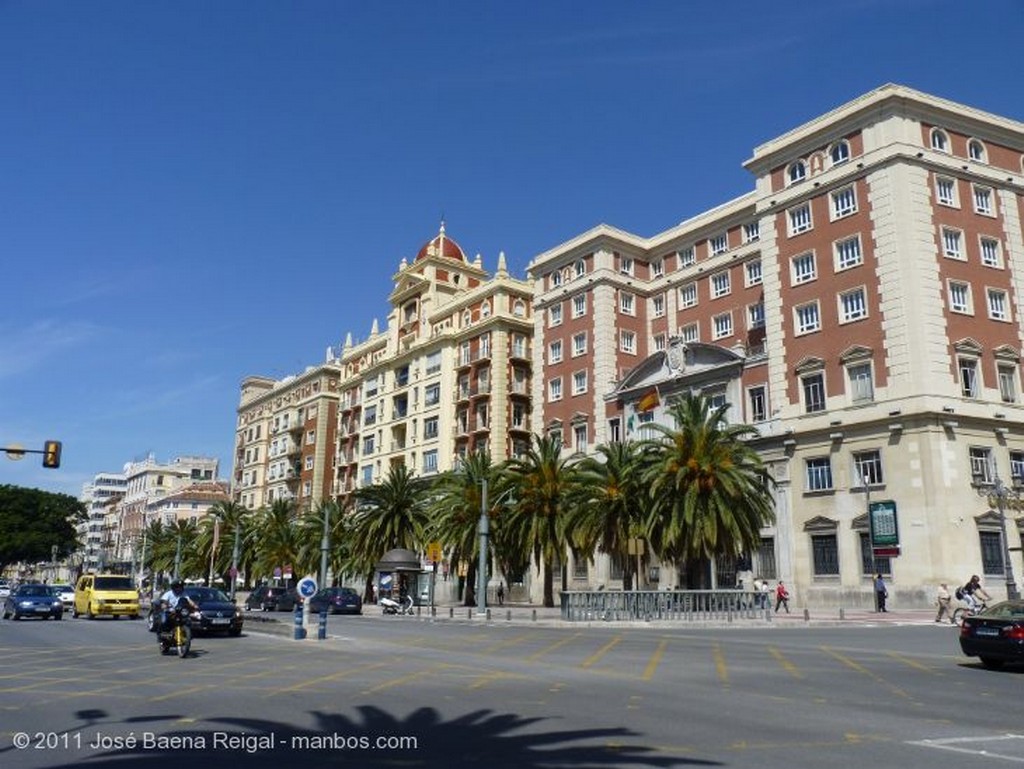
(311, 537)
(609, 503)
(455, 507)
(278, 542)
(710, 489)
(542, 479)
(218, 527)
(390, 514)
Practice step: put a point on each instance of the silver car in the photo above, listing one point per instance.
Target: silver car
(66, 593)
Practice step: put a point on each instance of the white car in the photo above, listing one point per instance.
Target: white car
(66, 594)
(5, 588)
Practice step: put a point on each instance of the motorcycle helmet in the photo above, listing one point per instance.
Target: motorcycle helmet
(178, 585)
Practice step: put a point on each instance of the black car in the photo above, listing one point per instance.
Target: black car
(996, 635)
(217, 612)
(271, 598)
(337, 600)
(33, 600)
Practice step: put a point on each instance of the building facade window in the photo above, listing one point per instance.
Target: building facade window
(430, 461)
(686, 257)
(722, 325)
(688, 295)
(555, 389)
(844, 202)
(981, 463)
(796, 172)
(861, 384)
(555, 315)
(998, 307)
(626, 303)
(848, 253)
(555, 351)
(719, 244)
(626, 265)
(1007, 375)
(952, 243)
(579, 382)
(825, 555)
(751, 232)
(657, 268)
(579, 305)
(808, 318)
(839, 152)
(853, 305)
(720, 284)
(945, 191)
(867, 466)
(813, 386)
(627, 342)
(803, 268)
(690, 332)
(939, 140)
(870, 564)
(976, 151)
(579, 344)
(579, 438)
(991, 253)
(968, 377)
(755, 316)
(757, 399)
(991, 544)
(983, 201)
(754, 274)
(658, 306)
(819, 474)
(800, 219)
(960, 297)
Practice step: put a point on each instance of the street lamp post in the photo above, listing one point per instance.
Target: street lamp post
(234, 559)
(484, 530)
(996, 488)
(325, 544)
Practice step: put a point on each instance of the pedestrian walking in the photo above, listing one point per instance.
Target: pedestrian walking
(501, 594)
(944, 600)
(765, 592)
(881, 593)
(781, 597)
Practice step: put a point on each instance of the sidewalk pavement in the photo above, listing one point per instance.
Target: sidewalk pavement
(527, 614)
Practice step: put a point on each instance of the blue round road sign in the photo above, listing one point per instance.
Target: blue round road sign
(307, 587)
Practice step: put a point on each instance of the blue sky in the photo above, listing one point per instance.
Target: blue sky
(193, 192)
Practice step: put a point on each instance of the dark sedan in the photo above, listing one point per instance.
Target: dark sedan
(996, 635)
(33, 600)
(271, 598)
(337, 600)
(217, 612)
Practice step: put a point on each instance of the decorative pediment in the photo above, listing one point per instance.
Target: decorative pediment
(579, 417)
(860, 523)
(855, 352)
(968, 346)
(1007, 352)
(678, 363)
(810, 363)
(988, 520)
(821, 525)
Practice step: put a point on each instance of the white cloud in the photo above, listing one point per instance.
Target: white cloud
(25, 349)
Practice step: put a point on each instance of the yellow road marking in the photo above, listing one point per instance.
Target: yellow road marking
(180, 692)
(405, 679)
(506, 643)
(786, 665)
(652, 664)
(913, 663)
(593, 658)
(321, 679)
(720, 666)
(853, 665)
(538, 654)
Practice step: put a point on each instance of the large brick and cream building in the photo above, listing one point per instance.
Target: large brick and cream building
(861, 307)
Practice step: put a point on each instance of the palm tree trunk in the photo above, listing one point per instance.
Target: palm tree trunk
(470, 595)
(549, 585)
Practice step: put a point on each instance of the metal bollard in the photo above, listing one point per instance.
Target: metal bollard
(300, 631)
(451, 612)
(534, 615)
(321, 631)
(842, 613)
(508, 615)
(488, 615)
(807, 615)
(469, 614)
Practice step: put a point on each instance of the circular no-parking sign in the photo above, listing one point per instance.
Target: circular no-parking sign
(307, 587)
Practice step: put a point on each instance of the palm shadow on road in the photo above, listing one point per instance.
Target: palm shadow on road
(481, 738)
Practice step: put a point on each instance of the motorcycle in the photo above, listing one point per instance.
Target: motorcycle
(391, 606)
(177, 633)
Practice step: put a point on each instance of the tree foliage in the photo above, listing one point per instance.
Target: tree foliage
(33, 522)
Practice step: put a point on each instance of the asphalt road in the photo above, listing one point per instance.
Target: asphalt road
(408, 692)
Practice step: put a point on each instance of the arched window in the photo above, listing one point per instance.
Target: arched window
(519, 308)
(796, 172)
(940, 142)
(485, 309)
(556, 278)
(467, 318)
(976, 151)
(840, 152)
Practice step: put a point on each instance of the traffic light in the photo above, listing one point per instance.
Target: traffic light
(51, 454)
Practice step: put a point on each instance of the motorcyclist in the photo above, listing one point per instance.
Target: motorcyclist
(170, 600)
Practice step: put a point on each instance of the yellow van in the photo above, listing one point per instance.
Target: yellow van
(105, 594)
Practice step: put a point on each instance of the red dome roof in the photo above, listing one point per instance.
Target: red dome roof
(442, 245)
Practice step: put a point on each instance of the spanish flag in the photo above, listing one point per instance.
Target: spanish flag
(649, 400)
